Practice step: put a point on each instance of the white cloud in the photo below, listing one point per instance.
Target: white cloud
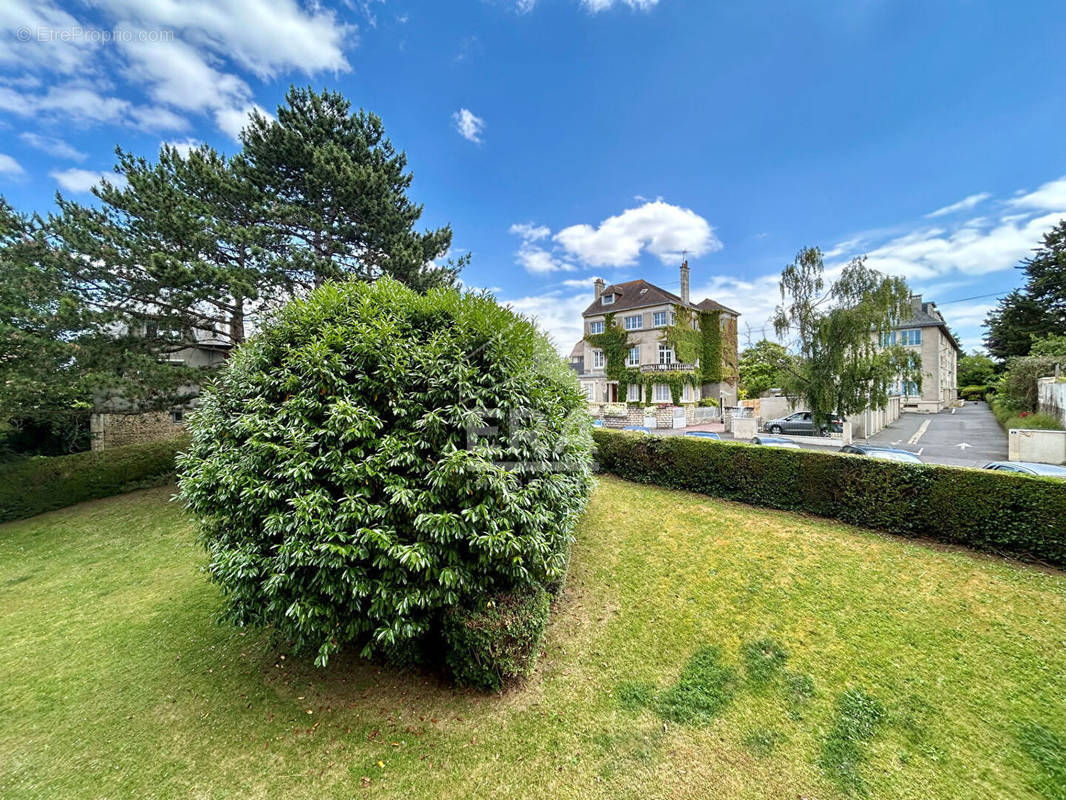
(580, 283)
(9, 166)
(596, 6)
(530, 232)
(977, 247)
(184, 147)
(178, 75)
(532, 257)
(468, 124)
(556, 313)
(81, 181)
(1049, 197)
(52, 145)
(264, 36)
(64, 55)
(963, 205)
(662, 229)
(232, 121)
(524, 6)
(538, 260)
(79, 104)
(181, 52)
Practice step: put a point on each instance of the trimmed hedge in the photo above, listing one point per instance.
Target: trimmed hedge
(982, 509)
(37, 485)
(495, 642)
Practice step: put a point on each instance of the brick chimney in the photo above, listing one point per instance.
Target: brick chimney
(684, 282)
(599, 287)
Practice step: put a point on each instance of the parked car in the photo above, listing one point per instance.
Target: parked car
(774, 441)
(886, 453)
(637, 429)
(703, 435)
(1028, 468)
(802, 423)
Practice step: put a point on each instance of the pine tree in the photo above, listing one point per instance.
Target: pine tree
(338, 196)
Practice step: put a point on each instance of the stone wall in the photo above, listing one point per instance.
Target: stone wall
(1051, 398)
(1046, 447)
(116, 430)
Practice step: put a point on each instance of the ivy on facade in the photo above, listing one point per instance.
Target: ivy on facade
(614, 342)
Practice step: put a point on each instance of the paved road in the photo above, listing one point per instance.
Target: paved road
(937, 438)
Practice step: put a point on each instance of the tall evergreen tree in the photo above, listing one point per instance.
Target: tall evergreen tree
(178, 247)
(338, 195)
(1039, 309)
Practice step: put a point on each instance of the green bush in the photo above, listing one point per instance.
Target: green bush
(494, 642)
(40, 484)
(983, 509)
(349, 487)
(1040, 422)
(976, 392)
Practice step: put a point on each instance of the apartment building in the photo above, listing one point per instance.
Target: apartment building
(644, 311)
(926, 332)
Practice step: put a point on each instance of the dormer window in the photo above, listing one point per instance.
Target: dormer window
(607, 299)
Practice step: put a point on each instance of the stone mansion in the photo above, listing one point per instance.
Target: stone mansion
(645, 312)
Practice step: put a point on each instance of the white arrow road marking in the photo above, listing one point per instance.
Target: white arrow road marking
(895, 442)
(918, 434)
(920, 449)
(963, 445)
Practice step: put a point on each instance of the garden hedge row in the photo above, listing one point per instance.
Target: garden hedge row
(37, 485)
(985, 510)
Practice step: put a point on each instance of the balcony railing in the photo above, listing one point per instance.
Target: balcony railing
(675, 367)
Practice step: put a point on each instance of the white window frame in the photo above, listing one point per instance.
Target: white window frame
(632, 361)
(666, 354)
(606, 299)
(595, 327)
(598, 359)
(634, 322)
(659, 319)
(686, 394)
(662, 393)
(911, 337)
(633, 393)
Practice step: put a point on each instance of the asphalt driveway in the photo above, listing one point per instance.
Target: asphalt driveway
(964, 437)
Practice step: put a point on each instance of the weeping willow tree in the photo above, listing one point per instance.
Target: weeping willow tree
(837, 332)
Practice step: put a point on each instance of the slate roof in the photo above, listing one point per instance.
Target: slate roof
(926, 315)
(640, 294)
(714, 305)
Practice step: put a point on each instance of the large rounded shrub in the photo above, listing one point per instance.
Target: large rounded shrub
(375, 459)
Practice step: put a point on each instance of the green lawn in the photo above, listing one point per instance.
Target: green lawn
(701, 649)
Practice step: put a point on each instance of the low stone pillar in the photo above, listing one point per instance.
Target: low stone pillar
(744, 428)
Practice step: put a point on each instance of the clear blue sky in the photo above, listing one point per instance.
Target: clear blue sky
(565, 139)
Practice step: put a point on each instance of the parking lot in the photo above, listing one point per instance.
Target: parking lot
(963, 437)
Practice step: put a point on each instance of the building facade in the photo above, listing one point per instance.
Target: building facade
(926, 332)
(645, 311)
(115, 423)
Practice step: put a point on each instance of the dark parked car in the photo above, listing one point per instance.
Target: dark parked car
(1028, 468)
(703, 435)
(774, 441)
(886, 453)
(802, 423)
